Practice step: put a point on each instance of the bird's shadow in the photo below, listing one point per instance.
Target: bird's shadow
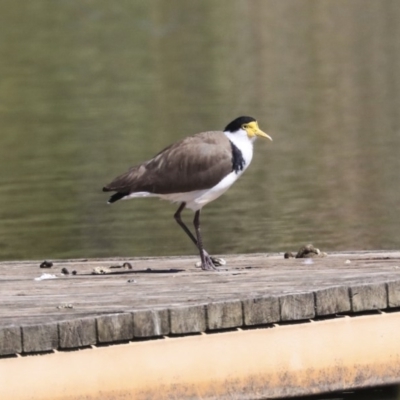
(139, 271)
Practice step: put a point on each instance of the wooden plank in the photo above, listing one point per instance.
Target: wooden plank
(10, 340)
(77, 333)
(261, 310)
(173, 282)
(150, 323)
(332, 300)
(368, 297)
(191, 319)
(394, 294)
(297, 306)
(224, 314)
(39, 338)
(114, 328)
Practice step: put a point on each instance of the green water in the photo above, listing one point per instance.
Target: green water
(88, 88)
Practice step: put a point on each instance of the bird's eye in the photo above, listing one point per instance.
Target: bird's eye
(244, 127)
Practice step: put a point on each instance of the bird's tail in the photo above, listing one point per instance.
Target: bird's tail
(115, 197)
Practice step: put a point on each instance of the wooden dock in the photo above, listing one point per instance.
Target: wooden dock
(170, 297)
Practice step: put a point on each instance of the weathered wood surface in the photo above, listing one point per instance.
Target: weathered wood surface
(162, 296)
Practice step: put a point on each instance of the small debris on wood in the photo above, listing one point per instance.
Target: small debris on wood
(100, 271)
(46, 264)
(309, 251)
(109, 270)
(65, 306)
(124, 265)
(74, 272)
(131, 281)
(45, 276)
(306, 251)
(65, 271)
(347, 262)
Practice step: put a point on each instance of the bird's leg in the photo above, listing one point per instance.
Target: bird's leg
(178, 219)
(206, 260)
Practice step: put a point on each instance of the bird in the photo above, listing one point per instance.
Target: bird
(193, 172)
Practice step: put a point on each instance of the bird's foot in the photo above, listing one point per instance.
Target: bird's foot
(210, 263)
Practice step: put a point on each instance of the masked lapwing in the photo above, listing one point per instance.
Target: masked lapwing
(193, 172)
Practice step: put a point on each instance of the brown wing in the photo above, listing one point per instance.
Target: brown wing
(194, 163)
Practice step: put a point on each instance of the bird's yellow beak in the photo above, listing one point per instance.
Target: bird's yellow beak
(252, 130)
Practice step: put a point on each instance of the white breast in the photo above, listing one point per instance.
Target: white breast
(197, 199)
(243, 143)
